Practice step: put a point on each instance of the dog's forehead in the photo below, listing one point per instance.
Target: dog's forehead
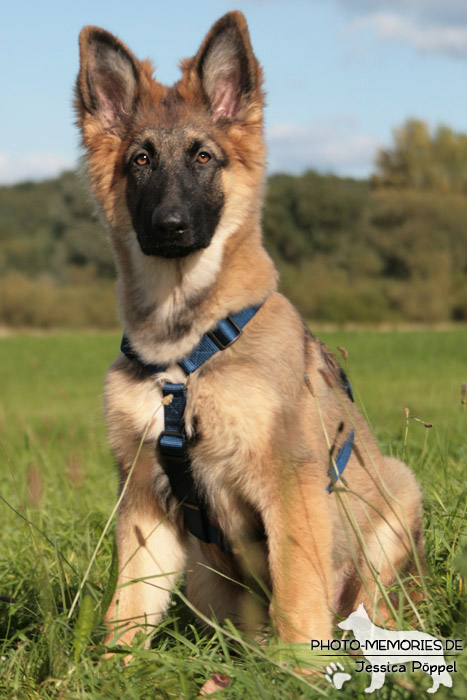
(167, 104)
(175, 138)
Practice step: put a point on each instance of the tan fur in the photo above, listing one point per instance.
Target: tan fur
(267, 409)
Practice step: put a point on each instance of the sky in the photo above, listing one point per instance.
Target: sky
(340, 75)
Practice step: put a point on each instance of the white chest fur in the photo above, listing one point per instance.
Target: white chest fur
(138, 404)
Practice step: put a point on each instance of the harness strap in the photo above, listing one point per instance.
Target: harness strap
(176, 464)
(172, 441)
(221, 337)
(224, 334)
(339, 464)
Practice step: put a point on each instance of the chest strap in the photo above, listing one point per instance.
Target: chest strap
(172, 441)
(172, 444)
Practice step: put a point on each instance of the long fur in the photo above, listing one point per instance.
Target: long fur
(264, 416)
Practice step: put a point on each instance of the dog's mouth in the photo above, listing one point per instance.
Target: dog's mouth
(171, 244)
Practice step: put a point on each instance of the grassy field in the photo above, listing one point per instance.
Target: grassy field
(58, 487)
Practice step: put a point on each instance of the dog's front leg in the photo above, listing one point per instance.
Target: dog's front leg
(299, 533)
(151, 555)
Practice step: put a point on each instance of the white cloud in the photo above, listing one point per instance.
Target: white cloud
(37, 166)
(430, 26)
(334, 145)
(452, 12)
(428, 37)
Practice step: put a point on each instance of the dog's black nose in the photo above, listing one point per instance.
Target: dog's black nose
(170, 220)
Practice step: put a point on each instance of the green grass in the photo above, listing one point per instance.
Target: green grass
(58, 487)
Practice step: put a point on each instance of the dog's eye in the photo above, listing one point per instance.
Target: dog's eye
(203, 157)
(141, 159)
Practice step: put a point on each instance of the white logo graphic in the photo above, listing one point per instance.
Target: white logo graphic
(336, 676)
(396, 651)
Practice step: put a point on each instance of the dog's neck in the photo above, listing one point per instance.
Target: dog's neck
(166, 305)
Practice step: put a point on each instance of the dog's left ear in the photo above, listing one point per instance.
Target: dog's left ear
(227, 68)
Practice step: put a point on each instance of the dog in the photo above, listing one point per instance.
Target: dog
(390, 649)
(177, 174)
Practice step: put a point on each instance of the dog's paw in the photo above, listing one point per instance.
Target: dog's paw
(336, 675)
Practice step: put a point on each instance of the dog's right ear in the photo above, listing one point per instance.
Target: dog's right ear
(107, 84)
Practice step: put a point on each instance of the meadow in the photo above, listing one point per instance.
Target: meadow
(58, 487)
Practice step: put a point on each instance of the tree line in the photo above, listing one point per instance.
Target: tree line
(390, 249)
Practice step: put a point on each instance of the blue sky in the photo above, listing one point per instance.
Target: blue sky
(340, 74)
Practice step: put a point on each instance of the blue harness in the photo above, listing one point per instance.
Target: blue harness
(174, 456)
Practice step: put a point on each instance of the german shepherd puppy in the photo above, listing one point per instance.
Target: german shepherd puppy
(178, 176)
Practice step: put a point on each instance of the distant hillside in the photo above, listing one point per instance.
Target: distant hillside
(346, 252)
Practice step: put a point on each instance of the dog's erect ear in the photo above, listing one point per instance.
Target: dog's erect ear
(226, 66)
(108, 79)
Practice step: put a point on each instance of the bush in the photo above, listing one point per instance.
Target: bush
(345, 252)
(42, 303)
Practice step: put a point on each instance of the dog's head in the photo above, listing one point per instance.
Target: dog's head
(170, 166)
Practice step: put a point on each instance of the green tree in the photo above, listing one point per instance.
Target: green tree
(423, 160)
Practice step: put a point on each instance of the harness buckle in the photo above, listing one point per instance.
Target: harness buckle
(172, 444)
(225, 333)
